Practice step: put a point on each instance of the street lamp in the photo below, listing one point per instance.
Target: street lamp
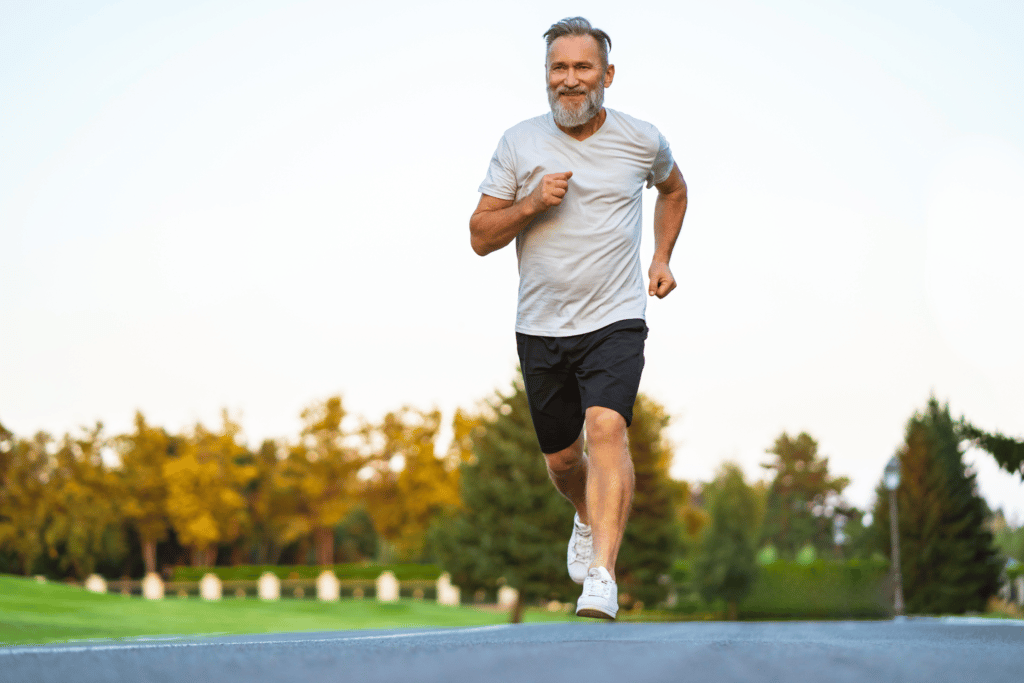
(891, 479)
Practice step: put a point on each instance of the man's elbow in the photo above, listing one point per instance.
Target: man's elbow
(476, 240)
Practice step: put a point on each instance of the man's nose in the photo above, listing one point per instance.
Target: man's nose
(570, 78)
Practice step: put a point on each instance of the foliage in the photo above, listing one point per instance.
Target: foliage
(513, 526)
(24, 469)
(726, 564)
(803, 497)
(143, 455)
(652, 536)
(947, 558)
(410, 485)
(822, 589)
(1008, 452)
(82, 498)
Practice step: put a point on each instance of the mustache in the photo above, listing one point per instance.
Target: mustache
(571, 91)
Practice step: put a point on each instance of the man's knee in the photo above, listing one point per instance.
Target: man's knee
(567, 458)
(605, 425)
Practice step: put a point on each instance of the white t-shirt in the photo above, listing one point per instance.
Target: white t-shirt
(579, 262)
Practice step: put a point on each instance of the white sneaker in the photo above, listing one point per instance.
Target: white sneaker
(581, 550)
(600, 597)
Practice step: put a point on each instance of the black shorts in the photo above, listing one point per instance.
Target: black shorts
(566, 375)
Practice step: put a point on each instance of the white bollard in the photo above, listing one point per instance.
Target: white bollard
(96, 584)
(210, 587)
(1020, 590)
(152, 587)
(507, 596)
(269, 587)
(327, 586)
(447, 594)
(387, 587)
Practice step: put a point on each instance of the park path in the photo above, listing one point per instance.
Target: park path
(926, 650)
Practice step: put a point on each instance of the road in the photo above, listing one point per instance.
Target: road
(926, 650)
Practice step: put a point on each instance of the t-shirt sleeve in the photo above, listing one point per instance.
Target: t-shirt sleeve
(663, 163)
(500, 180)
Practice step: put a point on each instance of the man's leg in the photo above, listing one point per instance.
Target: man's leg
(568, 471)
(610, 483)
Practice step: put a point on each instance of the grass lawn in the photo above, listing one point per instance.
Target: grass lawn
(31, 612)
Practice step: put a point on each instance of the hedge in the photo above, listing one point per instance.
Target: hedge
(403, 572)
(785, 589)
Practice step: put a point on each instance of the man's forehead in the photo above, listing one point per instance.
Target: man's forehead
(575, 48)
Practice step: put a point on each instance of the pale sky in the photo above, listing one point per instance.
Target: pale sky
(255, 205)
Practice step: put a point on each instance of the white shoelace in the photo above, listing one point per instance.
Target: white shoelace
(598, 587)
(583, 546)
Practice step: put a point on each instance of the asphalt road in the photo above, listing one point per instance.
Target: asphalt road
(926, 650)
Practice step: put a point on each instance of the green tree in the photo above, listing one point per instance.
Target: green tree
(803, 497)
(513, 526)
(1008, 452)
(948, 560)
(726, 564)
(652, 536)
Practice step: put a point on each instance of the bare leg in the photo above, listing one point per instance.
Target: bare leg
(568, 471)
(610, 483)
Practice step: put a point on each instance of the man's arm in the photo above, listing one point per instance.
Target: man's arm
(496, 222)
(668, 221)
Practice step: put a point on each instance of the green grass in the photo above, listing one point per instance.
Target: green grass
(31, 612)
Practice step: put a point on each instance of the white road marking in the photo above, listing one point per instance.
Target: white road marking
(68, 649)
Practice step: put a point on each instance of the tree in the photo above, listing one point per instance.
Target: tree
(652, 536)
(24, 468)
(83, 522)
(726, 564)
(803, 496)
(948, 561)
(318, 477)
(513, 526)
(1008, 452)
(410, 484)
(143, 455)
(205, 483)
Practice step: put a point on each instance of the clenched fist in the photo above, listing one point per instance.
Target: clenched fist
(550, 191)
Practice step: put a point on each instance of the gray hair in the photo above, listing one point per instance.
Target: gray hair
(578, 26)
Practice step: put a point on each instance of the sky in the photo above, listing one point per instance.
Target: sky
(254, 205)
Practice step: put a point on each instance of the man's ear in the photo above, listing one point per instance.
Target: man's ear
(609, 74)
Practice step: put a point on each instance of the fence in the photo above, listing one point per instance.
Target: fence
(326, 587)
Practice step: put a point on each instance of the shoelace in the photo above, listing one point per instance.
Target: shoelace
(583, 546)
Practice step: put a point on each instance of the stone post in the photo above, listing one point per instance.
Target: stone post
(152, 587)
(387, 587)
(1020, 590)
(327, 586)
(269, 587)
(210, 587)
(507, 596)
(96, 584)
(447, 594)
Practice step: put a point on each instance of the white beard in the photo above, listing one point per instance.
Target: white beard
(573, 118)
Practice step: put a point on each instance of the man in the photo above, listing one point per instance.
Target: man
(567, 186)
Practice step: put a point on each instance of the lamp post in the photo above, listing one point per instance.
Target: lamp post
(891, 478)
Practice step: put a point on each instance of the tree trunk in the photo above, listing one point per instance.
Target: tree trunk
(733, 610)
(149, 556)
(323, 538)
(517, 610)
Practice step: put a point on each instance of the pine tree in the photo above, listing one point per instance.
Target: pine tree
(514, 526)
(726, 564)
(948, 561)
(652, 535)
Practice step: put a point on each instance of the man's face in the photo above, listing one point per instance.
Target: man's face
(576, 80)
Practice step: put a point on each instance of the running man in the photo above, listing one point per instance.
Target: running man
(567, 186)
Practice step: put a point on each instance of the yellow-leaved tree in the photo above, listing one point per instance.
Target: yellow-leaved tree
(23, 473)
(318, 480)
(205, 482)
(411, 483)
(143, 455)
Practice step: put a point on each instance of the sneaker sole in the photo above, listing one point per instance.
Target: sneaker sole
(594, 613)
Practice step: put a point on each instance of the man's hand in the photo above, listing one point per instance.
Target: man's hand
(661, 278)
(550, 191)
